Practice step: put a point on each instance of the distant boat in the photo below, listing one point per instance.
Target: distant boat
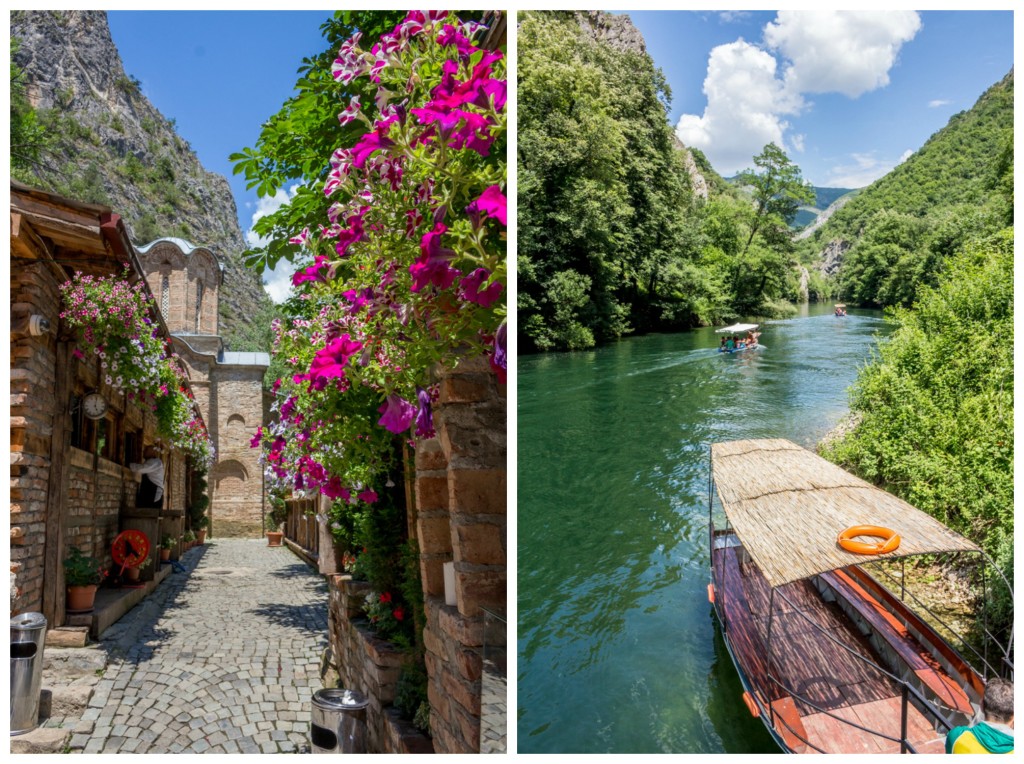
(840, 309)
(738, 329)
(831, 659)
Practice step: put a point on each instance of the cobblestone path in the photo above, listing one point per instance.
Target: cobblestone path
(223, 658)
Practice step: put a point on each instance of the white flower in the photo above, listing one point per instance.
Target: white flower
(109, 380)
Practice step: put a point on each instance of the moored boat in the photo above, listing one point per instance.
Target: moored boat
(831, 659)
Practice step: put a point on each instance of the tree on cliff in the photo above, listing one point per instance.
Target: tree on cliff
(602, 189)
(778, 190)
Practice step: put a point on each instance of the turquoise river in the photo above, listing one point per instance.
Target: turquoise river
(618, 648)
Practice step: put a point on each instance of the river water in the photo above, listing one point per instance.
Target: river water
(619, 651)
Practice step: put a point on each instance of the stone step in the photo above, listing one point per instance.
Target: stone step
(73, 662)
(41, 740)
(63, 701)
(67, 636)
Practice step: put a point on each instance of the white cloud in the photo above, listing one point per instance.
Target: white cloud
(863, 170)
(264, 206)
(748, 97)
(905, 156)
(277, 282)
(938, 102)
(848, 52)
(746, 102)
(728, 17)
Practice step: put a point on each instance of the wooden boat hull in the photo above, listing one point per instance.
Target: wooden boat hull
(818, 688)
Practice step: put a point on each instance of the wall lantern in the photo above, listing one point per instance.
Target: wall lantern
(33, 325)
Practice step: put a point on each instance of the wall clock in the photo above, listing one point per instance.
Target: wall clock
(94, 405)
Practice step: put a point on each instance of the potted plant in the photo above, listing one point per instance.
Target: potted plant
(201, 524)
(82, 574)
(275, 519)
(132, 573)
(189, 538)
(166, 544)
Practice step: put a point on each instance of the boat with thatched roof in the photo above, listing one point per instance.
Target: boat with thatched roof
(831, 658)
(749, 330)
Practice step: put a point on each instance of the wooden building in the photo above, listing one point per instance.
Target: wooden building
(70, 481)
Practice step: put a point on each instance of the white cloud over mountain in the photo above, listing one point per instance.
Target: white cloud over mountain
(848, 52)
(277, 282)
(750, 91)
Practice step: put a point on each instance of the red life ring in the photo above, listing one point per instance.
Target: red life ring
(890, 540)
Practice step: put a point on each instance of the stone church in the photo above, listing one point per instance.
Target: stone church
(186, 280)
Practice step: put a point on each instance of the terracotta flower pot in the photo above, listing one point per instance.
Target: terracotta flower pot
(132, 574)
(201, 536)
(81, 598)
(165, 555)
(274, 538)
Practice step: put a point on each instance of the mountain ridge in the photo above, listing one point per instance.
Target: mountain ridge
(114, 147)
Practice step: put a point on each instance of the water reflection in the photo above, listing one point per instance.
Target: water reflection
(616, 650)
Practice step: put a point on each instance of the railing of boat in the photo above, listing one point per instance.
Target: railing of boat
(993, 639)
(907, 690)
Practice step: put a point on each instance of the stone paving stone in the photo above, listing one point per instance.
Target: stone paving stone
(216, 662)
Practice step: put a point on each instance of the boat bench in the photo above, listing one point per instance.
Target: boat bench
(894, 633)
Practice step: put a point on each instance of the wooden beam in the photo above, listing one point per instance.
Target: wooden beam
(57, 491)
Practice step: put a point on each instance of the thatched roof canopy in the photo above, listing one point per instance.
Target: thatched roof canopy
(788, 505)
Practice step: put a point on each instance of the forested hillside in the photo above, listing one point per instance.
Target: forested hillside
(613, 236)
(900, 230)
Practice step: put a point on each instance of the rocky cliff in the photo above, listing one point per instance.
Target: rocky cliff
(113, 147)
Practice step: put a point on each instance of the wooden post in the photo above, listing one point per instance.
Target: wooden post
(57, 490)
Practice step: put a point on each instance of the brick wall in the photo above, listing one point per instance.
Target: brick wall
(33, 380)
(369, 666)
(184, 271)
(461, 516)
(97, 489)
(236, 481)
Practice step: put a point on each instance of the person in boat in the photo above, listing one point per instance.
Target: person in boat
(722, 345)
(730, 343)
(751, 338)
(151, 489)
(995, 733)
(738, 342)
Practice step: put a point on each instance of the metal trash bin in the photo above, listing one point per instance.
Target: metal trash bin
(338, 723)
(28, 632)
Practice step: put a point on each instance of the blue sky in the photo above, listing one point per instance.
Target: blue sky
(847, 96)
(219, 75)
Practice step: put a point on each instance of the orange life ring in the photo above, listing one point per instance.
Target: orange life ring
(890, 540)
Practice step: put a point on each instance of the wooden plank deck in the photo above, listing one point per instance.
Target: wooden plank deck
(928, 670)
(810, 664)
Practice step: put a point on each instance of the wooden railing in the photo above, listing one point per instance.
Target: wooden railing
(301, 525)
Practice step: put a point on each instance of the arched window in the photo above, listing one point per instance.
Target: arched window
(199, 304)
(165, 295)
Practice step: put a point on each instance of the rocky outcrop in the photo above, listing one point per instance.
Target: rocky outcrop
(615, 31)
(823, 217)
(698, 183)
(832, 256)
(115, 148)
